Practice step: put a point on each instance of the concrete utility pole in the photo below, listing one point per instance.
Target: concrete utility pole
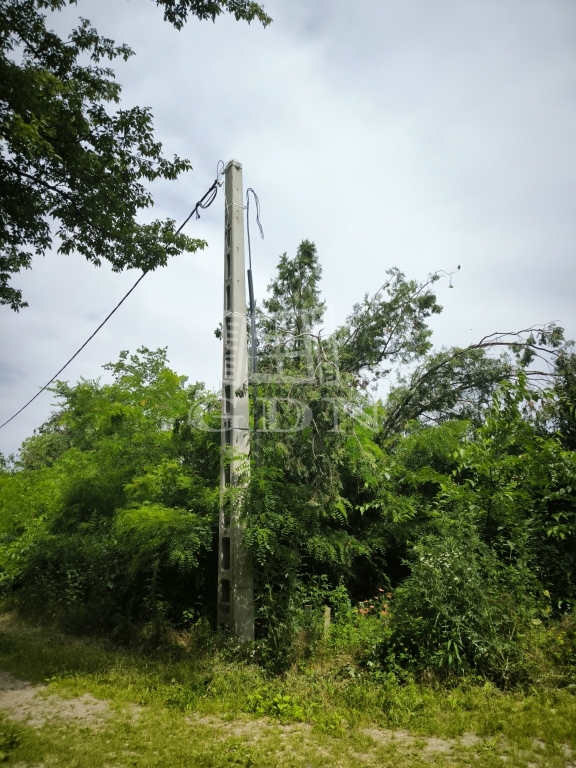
(235, 580)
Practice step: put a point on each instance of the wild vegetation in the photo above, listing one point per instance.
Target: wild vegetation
(435, 518)
(437, 523)
(198, 703)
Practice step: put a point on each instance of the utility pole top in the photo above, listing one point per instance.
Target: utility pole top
(235, 163)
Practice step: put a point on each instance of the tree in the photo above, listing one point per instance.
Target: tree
(72, 171)
(459, 383)
(388, 328)
(336, 498)
(177, 11)
(564, 412)
(114, 502)
(294, 308)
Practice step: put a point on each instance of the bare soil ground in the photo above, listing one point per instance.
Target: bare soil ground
(21, 701)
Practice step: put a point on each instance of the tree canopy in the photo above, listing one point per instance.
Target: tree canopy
(75, 173)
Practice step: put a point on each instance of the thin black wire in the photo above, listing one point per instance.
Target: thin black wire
(257, 201)
(204, 202)
(254, 350)
(250, 281)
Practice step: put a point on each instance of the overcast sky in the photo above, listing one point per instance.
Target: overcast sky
(401, 133)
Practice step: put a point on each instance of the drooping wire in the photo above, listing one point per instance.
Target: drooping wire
(204, 202)
(257, 201)
(254, 347)
(250, 281)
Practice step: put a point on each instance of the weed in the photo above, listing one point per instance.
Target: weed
(10, 738)
(282, 707)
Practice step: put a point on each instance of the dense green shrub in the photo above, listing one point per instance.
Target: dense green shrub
(112, 506)
(461, 610)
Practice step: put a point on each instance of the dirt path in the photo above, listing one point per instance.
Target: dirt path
(31, 704)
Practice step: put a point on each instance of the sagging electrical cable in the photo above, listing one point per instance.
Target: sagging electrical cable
(204, 202)
(254, 351)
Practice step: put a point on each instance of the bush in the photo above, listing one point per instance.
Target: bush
(461, 610)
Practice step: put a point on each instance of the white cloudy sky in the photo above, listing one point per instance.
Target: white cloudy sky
(390, 132)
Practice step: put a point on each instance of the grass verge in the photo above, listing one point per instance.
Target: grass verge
(198, 709)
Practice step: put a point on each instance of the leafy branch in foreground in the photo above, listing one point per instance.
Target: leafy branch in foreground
(73, 172)
(177, 11)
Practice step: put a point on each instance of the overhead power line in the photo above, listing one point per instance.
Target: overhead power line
(204, 202)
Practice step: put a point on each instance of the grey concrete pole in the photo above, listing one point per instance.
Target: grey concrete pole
(235, 579)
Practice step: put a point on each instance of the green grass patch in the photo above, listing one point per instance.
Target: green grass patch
(197, 707)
